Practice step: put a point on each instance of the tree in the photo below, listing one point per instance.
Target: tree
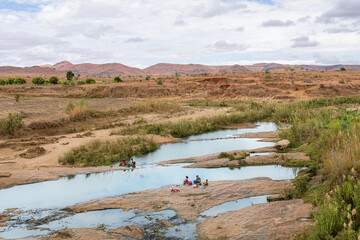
(342, 69)
(19, 81)
(54, 80)
(69, 75)
(117, 79)
(38, 81)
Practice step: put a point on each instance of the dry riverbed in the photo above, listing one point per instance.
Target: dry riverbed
(190, 201)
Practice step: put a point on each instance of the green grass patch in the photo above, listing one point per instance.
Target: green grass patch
(108, 152)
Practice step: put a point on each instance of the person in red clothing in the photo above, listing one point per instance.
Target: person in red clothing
(186, 180)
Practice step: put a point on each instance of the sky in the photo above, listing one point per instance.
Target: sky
(140, 33)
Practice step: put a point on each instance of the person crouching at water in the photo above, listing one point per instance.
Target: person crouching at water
(133, 162)
(186, 180)
(123, 163)
(206, 183)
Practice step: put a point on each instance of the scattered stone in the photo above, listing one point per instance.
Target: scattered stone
(281, 145)
(87, 134)
(33, 152)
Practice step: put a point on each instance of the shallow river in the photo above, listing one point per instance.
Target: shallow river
(45, 199)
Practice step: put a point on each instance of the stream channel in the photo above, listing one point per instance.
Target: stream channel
(45, 200)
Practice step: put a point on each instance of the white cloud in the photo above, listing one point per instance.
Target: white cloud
(224, 46)
(303, 42)
(277, 23)
(145, 32)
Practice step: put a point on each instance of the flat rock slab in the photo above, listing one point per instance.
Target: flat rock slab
(276, 158)
(269, 221)
(189, 202)
(5, 174)
(271, 159)
(42, 175)
(214, 156)
(273, 134)
(84, 234)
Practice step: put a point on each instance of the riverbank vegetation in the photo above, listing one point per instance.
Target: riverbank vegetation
(107, 152)
(327, 130)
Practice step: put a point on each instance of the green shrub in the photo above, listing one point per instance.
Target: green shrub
(2, 83)
(10, 81)
(338, 216)
(11, 125)
(117, 79)
(19, 81)
(80, 83)
(54, 80)
(108, 152)
(65, 83)
(159, 82)
(38, 81)
(90, 81)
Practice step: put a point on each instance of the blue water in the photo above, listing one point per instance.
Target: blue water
(67, 191)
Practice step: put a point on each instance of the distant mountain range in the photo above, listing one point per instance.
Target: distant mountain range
(114, 69)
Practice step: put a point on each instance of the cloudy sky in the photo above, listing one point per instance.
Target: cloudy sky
(140, 33)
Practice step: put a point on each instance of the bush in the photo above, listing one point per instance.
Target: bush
(10, 81)
(54, 80)
(108, 152)
(159, 82)
(38, 81)
(19, 81)
(338, 217)
(342, 69)
(147, 78)
(2, 82)
(117, 79)
(11, 125)
(78, 111)
(90, 81)
(66, 83)
(80, 82)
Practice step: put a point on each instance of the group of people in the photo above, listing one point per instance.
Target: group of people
(131, 163)
(196, 182)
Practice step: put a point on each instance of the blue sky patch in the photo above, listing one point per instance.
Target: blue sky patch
(13, 6)
(268, 2)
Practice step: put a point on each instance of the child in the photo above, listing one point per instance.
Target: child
(206, 183)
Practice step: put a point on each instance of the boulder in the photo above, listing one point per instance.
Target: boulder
(282, 144)
(33, 152)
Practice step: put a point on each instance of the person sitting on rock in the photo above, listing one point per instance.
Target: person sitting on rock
(198, 180)
(186, 180)
(206, 183)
